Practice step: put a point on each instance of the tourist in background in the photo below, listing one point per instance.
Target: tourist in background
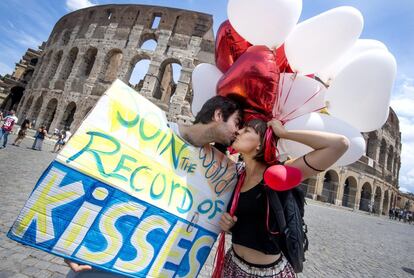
(22, 132)
(39, 138)
(60, 141)
(7, 127)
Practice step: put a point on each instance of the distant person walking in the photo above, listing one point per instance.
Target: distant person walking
(39, 138)
(60, 142)
(7, 127)
(22, 132)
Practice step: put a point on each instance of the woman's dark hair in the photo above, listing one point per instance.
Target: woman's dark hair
(25, 122)
(260, 127)
(226, 106)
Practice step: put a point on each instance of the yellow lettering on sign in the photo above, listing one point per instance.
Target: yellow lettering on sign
(145, 251)
(112, 236)
(47, 196)
(171, 251)
(204, 241)
(80, 224)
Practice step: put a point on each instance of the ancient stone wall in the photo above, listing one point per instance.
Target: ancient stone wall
(89, 48)
(12, 86)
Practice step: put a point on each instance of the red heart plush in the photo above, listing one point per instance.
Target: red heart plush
(281, 177)
(229, 46)
(253, 79)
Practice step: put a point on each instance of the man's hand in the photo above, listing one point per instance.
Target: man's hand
(227, 222)
(77, 267)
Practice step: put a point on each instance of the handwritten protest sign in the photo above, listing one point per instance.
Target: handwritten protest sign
(128, 195)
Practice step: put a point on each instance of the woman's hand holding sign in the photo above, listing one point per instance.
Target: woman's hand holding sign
(227, 222)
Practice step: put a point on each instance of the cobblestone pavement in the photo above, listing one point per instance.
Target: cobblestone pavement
(342, 243)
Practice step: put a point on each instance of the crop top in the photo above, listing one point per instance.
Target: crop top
(250, 229)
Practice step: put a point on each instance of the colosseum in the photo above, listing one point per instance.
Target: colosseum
(60, 82)
(89, 48)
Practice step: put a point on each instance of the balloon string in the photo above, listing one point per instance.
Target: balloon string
(291, 86)
(271, 154)
(219, 258)
(300, 106)
(305, 113)
(276, 110)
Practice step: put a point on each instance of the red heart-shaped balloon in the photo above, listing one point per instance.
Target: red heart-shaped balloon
(229, 46)
(253, 79)
(281, 177)
(281, 60)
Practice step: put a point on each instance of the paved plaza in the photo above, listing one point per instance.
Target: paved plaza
(342, 243)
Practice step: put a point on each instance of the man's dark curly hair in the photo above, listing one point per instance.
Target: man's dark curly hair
(227, 107)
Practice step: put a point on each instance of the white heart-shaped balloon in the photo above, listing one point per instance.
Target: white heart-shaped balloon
(328, 74)
(264, 22)
(204, 79)
(318, 42)
(360, 94)
(326, 123)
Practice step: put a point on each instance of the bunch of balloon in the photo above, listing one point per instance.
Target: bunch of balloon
(268, 61)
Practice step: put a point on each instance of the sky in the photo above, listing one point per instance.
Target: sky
(27, 23)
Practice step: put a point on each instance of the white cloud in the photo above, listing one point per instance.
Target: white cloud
(4, 69)
(73, 5)
(403, 104)
(27, 40)
(403, 189)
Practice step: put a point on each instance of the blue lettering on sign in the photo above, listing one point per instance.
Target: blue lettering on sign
(111, 230)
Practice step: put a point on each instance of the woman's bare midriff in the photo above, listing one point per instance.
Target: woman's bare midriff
(254, 256)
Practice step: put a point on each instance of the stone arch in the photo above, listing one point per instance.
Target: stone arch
(13, 99)
(138, 70)
(350, 191)
(330, 187)
(383, 152)
(167, 83)
(372, 144)
(27, 75)
(6, 104)
(393, 197)
(49, 113)
(25, 108)
(53, 67)
(385, 203)
(66, 37)
(68, 116)
(377, 200)
(366, 195)
(67, 68)
(390, 158)
(46, 58)
(111, 65)
(148, 41)
(36, 108)
(33, 61)
(88, 61)
(395, 167)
